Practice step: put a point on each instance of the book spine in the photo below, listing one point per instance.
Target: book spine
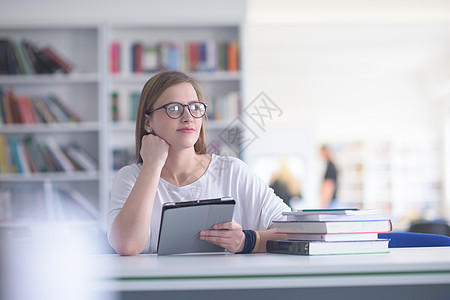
(23, 62)
(25, 110)
(223, 63)
(13, 64)
(62, 64)
(81, 157)
(62, 159)
(115, 57)
(43, 110)
(163, 55)
(22, 158)
(150, 58)
(36, 155)
(49, 158)
(134, 103)
(6, 165)
(56, 111)
(15, 108)
(14, 152)
(174, 57)
(29, 158)
(3, 57)
(138, 58)
(115, 107)
(3, 159)
(30, 57)
(211, 56)
(70, 115)
(233, 57)
(7, 108)
(285, 247)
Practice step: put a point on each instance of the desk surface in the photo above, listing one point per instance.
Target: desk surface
(403, 266)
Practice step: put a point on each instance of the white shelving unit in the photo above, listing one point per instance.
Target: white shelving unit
(399, 177)
(32, 196)
(87, 90)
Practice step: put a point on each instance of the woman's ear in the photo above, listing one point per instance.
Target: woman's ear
(147, 125)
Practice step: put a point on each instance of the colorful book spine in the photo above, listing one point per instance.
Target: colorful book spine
(115, 57)
(32, 110)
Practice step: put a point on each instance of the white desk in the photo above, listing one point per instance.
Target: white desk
(407, 268)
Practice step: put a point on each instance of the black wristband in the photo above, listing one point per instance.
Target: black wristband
(250, 241)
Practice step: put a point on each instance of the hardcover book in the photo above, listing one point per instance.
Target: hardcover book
(327, 248)
(323, 227)
(332, 237)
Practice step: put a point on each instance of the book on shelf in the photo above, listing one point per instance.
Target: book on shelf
(42, 154)
(324, 227)
(4, 156)
(224, 107)
(193, 56)
(134, 104)
(63, 64)
(327, 248)
(24, 58)
(114, 107)
(17, 109)
(114, 57)
(80, 157)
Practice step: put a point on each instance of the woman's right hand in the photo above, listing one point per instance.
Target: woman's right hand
(154, 150)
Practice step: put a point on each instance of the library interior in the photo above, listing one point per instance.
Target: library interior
(338, 106)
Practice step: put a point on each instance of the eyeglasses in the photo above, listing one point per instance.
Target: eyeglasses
(175, 109)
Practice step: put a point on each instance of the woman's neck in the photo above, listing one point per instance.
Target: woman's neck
(184, 167)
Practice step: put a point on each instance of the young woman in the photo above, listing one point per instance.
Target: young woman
(172, 165)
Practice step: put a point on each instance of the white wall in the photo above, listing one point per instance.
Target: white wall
(115, 10)
(347, 78)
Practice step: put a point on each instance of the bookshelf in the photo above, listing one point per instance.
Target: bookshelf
(105, 129)
(37, 187)
(400, 177)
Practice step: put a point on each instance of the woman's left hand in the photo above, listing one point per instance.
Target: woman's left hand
(228, 235)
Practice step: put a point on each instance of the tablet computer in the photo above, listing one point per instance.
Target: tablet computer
(181, 223)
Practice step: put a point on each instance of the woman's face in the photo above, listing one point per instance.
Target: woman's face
(182, 132)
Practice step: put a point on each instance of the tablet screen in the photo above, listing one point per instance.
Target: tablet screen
(181, 223)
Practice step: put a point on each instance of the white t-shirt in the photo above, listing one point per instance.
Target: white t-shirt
(256, 203)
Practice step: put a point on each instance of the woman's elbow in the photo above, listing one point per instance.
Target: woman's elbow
(127, 248)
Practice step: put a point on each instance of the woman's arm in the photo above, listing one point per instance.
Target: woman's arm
(130, 229)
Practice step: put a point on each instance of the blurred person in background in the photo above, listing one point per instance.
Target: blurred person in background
(330, 180)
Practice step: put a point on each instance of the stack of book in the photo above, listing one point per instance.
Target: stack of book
(331, 231)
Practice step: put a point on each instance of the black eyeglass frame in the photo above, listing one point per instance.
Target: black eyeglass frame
(183, 105)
